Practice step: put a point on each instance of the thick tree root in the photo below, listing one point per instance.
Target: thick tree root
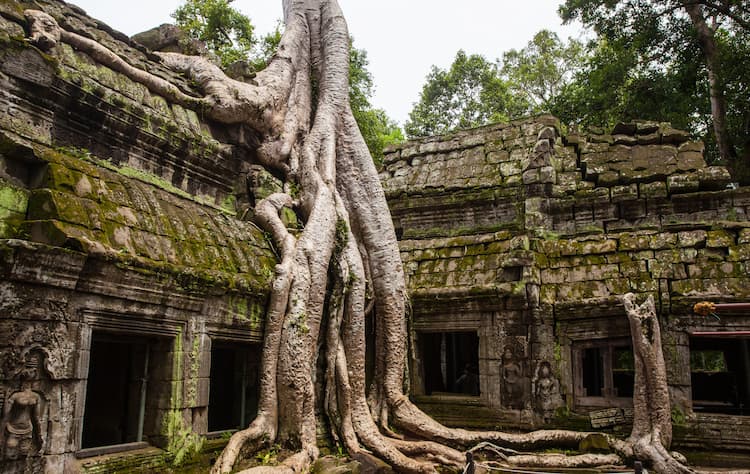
(46, 33)
(345, 264)
(248, 440)
(562, 461)
(652, 413)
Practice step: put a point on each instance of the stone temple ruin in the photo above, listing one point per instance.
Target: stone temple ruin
(133, 280)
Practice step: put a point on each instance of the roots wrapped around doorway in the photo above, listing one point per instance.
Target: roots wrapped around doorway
(345, 264)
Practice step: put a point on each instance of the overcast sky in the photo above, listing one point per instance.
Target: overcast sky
(403, 38)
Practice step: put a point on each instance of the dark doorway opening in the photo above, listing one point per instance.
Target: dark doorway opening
(719, 375)
(604, 372)
(233, 398)
(450, 362)
(593, 372)
(116, 390)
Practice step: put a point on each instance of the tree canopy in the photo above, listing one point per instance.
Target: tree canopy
(230, 35)
(538, 72)
(678, 60)
(468, 94)
(226, 32)
(476, 91)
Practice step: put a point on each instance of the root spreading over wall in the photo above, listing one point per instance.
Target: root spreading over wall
(345, 264)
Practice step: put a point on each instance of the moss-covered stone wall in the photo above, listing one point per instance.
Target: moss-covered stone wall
(123, 217)
(528, 235)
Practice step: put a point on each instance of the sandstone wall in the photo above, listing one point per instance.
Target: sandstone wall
(121, 216)
(529, 236)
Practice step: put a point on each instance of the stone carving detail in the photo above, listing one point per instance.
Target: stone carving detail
(53, 343)
(25, 410)
(513, 383)
(546, 391)
(540, 170)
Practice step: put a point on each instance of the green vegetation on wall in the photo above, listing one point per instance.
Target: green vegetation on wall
(13, 204)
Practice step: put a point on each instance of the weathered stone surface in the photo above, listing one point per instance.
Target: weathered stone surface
(122, 213)
(621, 217)
(624, 129)
(169, 38)
(671, 135)
(690, 160)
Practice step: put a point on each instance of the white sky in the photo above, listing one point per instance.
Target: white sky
(403, 38)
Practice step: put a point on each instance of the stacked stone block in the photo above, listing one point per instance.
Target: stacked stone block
(594, 215)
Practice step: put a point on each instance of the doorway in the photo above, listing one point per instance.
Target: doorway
(116, 390)
(450, 362)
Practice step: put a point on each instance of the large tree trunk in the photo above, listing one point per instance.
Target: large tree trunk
(344, 262)
(652, 414)
(707, 41)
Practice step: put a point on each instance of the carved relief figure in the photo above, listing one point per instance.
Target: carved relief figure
(547, 392)
(23, 414)
(513, 381)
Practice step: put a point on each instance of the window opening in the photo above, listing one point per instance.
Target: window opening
(623, 371)
(450, 362)
(719, 374)
(116, 391)
(233, 398)
(593, 376)
(604, 372)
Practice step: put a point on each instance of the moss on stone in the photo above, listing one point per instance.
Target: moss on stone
(13, 206)
(182, 443)
(12, 9)
(13, 198)
(91, 205)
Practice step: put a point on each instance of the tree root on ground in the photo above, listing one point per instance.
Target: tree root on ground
(344, 262)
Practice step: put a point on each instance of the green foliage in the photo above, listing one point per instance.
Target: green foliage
(469, 94)
(225, 31)
(678, 416)
(265, 48)
(623, 360)
(708, 361)
(647, 63)
(645, 69)
(538, 72)
(340, 451)
(378, 130)
(735, 57)
(341, 237)
(270, 456)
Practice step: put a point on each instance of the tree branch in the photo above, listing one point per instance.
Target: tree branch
(723, 9)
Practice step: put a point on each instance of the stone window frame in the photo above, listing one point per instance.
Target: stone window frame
(417, 339)
(608, 398)
(233, 340)
(113, 323)
(426, 321)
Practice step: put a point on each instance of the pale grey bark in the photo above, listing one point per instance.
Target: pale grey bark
(652, 414)
(349, 231)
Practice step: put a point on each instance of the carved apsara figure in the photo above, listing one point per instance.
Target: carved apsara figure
(22, 434)
(513, 381)
(546, 391)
